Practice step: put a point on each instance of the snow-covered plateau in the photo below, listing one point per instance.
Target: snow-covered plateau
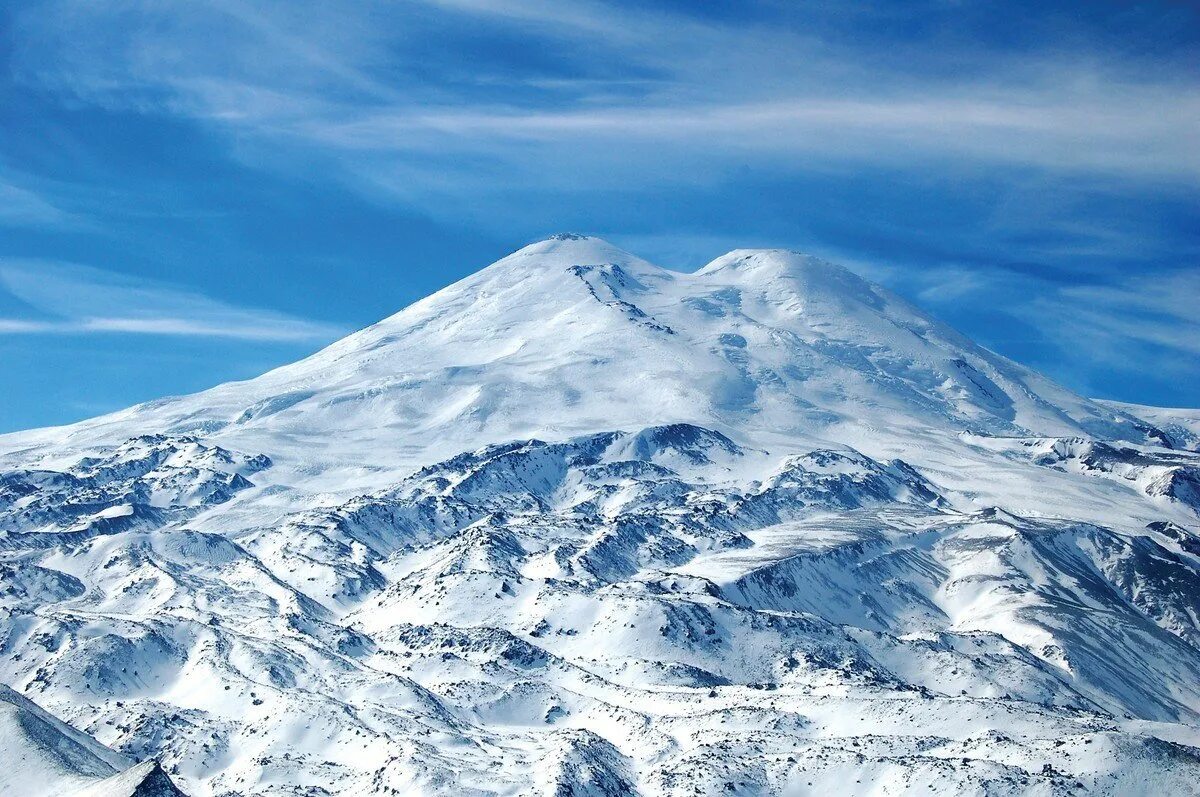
(580, 525)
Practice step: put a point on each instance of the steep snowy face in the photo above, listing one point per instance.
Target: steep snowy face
(580, 525)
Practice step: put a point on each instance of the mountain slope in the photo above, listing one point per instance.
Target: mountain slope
(581, 525)
(44, 755)
(539, 343)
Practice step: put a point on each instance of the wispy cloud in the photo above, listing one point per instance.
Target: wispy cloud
(1157, 310)
(22, 207)
(21, 325)
(389, 112)
(1138, 135)
(1103, 321)
(72, 299)
(1142, 326)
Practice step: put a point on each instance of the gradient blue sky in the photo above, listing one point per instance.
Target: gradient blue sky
(192, 192)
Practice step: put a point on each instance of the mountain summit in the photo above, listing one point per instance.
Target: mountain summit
(572, 334)
(581, 525)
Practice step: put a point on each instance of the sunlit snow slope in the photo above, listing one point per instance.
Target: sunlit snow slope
(581, 525)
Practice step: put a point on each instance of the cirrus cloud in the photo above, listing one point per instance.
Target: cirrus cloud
(72, 299)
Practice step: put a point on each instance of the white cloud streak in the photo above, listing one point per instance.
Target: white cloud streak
(72, 299)
(22, 207)
(1142, 137)
(1139, 324)
(1152, 310)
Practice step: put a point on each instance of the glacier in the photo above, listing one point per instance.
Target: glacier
(582, 525)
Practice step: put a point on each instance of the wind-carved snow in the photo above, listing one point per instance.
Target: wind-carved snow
(581, 525)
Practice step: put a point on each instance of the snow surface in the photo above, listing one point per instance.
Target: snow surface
(578, 524)
(1181, 426)
(43, 755)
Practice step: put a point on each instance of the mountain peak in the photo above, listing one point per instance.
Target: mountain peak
(558, 253)
(572, 334)
(785, 272)
(760, 264)
(571, 249)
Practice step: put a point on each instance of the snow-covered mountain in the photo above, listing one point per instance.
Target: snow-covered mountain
(581, 525)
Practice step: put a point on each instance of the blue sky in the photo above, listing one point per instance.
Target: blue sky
(192, 192)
